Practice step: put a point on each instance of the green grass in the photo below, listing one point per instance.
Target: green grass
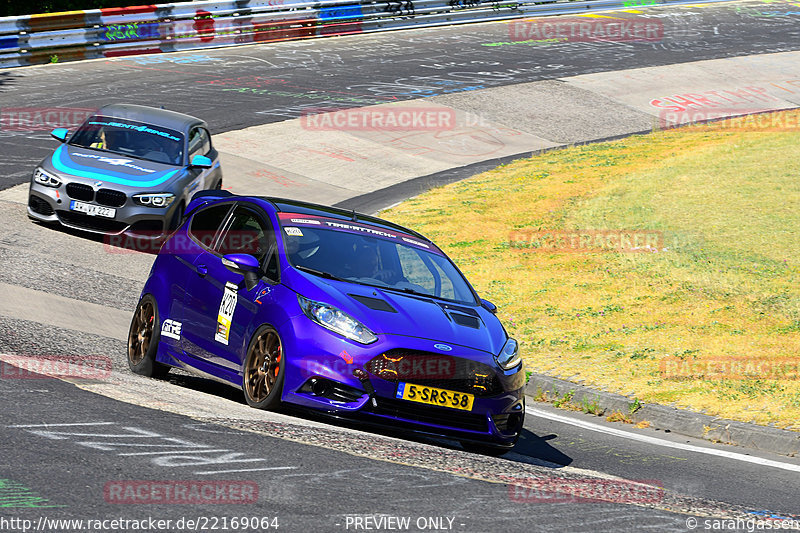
(723, 283)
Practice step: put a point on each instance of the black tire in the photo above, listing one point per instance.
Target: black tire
(263, 370)
(143, 337)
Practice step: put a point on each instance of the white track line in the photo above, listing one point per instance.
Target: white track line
(62, 425)
(661, 442)
(249, 470)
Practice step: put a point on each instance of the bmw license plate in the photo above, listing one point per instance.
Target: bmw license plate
(93, 210)
(434, 396)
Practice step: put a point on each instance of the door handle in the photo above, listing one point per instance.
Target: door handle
(202, 271)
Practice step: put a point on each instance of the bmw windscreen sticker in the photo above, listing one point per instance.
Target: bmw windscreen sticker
(136, 127)
(226, 308)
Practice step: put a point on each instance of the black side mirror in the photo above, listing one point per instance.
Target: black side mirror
(489, 306)
(244, 264)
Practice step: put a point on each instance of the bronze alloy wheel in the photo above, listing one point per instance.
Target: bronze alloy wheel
(143, 339)
(141, 332)
(263, 372)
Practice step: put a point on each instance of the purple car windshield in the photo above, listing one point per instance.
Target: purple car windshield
(374, 256)
(130, 139)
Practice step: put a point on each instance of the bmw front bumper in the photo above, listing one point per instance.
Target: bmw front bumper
(53, 205)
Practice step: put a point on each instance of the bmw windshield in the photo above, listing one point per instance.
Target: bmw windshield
(372, 256)
(130, 139)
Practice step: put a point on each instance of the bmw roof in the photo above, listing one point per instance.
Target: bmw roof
(150, 115)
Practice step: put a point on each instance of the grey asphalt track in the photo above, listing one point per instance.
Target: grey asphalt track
(242, 87)
(338, 471)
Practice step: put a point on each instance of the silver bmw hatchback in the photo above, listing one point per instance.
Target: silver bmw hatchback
(128, 169)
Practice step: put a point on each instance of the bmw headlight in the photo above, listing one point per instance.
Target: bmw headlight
(45, 178)
(335, 320)
(161, 199)
(509, 356)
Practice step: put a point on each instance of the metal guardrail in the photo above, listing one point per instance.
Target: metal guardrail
(112, 32)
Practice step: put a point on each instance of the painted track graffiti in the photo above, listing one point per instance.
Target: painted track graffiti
(114, 32)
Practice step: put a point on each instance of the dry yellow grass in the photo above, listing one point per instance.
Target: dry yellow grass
(723, 285)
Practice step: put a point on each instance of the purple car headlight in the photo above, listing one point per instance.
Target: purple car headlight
(509, 356)
(337, 321)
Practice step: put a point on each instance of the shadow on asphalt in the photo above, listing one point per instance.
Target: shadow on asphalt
(6, 79)
(117, 244)
(535, 446)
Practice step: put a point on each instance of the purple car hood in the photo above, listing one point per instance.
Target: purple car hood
(390, 312)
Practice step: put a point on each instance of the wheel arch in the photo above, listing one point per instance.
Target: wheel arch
(156, 288)
(257, 331)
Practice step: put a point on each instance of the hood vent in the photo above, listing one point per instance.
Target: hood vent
(458, 308)
(466, 320)
(463, 316)
(376, 304)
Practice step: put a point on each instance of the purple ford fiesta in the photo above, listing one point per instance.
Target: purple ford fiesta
(332, 310)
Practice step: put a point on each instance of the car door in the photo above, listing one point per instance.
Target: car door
(201, 233)
(219, 309)
(175, 264)
(199, 143)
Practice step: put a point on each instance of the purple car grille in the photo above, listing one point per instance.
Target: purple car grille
(436, 370)
(427, 414)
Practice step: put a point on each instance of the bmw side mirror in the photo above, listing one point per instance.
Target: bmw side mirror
(244, 264)
(201, 161)
(60, 134)
(489, 306)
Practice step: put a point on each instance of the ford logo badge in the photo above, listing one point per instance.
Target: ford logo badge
(442, 347)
